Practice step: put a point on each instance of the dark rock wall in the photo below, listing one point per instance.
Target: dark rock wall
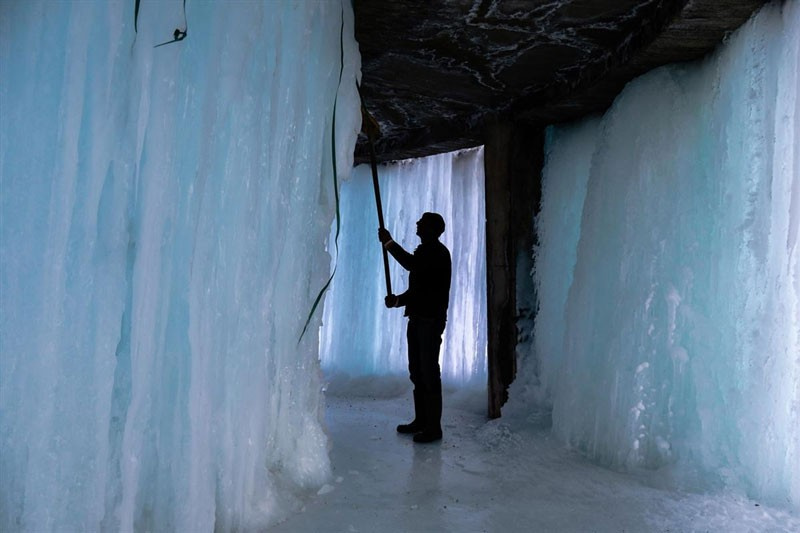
(435, 73)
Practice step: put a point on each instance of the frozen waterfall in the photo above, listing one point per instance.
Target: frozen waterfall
(164, 214)
(164, 218)
(360, 337)
(668, 270)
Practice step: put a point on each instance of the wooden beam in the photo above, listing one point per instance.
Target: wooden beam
(513, 158)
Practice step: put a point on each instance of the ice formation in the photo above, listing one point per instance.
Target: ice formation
(360, 336)
(164, 218)
(668, 269)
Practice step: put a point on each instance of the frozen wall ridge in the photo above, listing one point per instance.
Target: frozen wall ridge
(680, 342)
(163, 219)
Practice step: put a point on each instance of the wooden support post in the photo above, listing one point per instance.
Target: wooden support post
(513, 159)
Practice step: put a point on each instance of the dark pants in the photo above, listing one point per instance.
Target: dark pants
(424, 339)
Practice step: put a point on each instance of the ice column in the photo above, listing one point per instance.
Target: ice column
(681, 315)
(360, 336)
(164, 213)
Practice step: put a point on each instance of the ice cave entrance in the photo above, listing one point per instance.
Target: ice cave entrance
(361, 339)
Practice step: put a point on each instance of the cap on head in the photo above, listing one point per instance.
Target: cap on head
(433, 222)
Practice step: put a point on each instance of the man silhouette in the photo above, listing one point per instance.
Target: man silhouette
(426, 302)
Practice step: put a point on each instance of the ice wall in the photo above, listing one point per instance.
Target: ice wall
(164, 217)
(360, 336)
(669, 319)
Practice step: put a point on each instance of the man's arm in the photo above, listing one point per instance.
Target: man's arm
(405, 259)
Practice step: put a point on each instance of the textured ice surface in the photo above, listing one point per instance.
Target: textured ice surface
(668, 270)
(164, 214)
(493, 477)
(360, 336)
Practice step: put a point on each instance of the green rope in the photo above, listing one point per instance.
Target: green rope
(178, 35)
(335, 182)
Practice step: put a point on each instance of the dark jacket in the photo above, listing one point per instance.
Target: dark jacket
(428, 291)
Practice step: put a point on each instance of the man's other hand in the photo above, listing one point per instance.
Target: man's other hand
(384, 236)
(391, 300)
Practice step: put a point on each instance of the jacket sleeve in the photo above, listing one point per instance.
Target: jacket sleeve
(405, 259)
(402, 299)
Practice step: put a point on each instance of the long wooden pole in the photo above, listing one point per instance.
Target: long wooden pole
(370, 126)
(376, 186)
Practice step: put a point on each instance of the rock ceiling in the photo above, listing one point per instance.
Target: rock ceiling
(434, 73)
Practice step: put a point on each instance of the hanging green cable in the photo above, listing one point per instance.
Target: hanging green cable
(335, 181)
(178, 34)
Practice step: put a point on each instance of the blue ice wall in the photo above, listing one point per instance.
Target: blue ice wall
(360, 337)
(668, 269)
(164, 217)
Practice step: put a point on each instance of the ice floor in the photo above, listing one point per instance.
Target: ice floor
(486, 477)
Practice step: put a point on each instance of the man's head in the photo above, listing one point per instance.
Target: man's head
(430, 226)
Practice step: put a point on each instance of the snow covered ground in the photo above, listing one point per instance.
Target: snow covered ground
(490, 477)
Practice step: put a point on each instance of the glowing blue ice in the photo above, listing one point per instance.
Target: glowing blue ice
(164, 214)
(668, 269)
(360, 336)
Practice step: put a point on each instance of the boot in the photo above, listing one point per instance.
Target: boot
(419, 420)
(433, 428)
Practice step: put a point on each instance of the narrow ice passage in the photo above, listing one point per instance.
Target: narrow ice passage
(163, 220)
(359, 337)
